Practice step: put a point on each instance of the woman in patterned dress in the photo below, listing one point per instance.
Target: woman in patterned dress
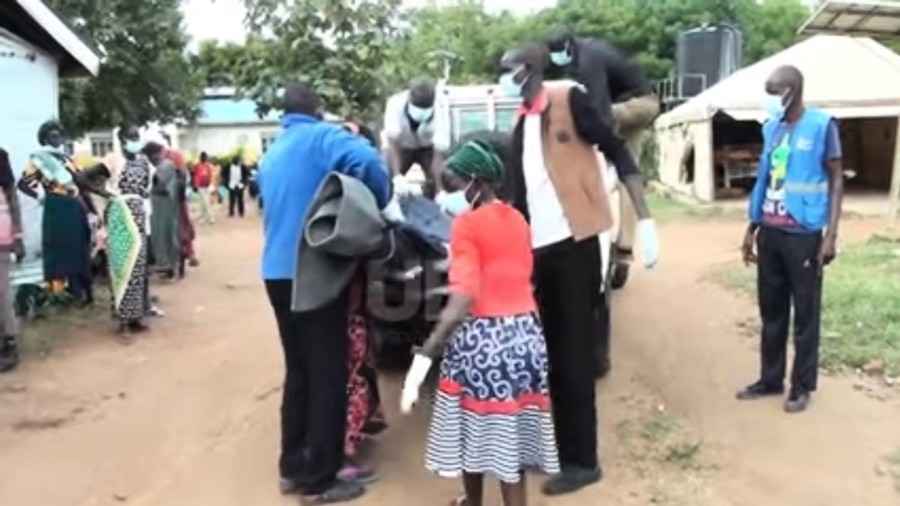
(66, 233)
(492, 412)
(126, 223)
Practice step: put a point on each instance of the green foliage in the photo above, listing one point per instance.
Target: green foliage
(144, 75)
(861, 310)
(647, 29)
(334, 45)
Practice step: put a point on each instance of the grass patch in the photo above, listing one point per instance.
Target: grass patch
(861, 310)
(659, 437)
(57, 322)
(665, 208)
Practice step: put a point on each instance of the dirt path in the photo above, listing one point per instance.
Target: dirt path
(188, 414)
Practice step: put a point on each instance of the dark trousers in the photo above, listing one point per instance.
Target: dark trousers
(567, 277)
(314, 404)
(236, 198)
(788, 271)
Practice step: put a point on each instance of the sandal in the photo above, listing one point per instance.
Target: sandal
(459, 501)
(342, 491)
(363, 475)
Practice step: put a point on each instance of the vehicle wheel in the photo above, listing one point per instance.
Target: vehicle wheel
(619, 275)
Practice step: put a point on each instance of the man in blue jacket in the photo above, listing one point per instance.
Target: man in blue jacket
(794, 213)
(313, 410)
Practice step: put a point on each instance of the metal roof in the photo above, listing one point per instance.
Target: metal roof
(862, 17)
(223, 110)
(82, 55)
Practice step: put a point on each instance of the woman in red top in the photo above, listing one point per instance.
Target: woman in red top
(492, 409)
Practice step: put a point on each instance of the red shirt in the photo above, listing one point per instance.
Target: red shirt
(202, 175)
(491, 260)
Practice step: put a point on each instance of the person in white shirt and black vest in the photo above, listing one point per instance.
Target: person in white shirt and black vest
(236, 176)
(555, 179)
(795, 209)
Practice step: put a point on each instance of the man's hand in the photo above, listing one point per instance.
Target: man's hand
(748, 247)
(827, 252)
(19, 250)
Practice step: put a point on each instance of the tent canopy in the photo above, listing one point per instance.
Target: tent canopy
(849, 77)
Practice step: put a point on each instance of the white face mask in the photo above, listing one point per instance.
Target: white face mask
(561, 58)
(775, 104)
(419, 114)
(454, 203)
(509, 86)
(134, 147)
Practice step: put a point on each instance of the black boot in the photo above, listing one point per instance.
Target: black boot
(9, 354)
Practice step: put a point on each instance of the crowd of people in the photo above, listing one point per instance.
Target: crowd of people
(516, 337)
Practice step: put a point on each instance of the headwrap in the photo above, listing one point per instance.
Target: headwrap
(476, 159)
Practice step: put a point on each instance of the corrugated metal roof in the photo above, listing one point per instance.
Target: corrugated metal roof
(231, 111)
(857, 17)
(849, 77)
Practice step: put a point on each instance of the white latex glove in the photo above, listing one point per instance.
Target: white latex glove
(414, 378)
(402, 186)
(392, 212)
(649, 240)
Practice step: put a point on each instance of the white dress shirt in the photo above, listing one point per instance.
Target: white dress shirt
(548, 221)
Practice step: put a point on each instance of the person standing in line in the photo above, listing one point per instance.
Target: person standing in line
(795, 210)
(556, 181)
(186, 232)
(202, 180)
(235, 175)
(66, 231)
(314, 403)
(492, 410)
(11, 244)
(126, 223)
(165, 238)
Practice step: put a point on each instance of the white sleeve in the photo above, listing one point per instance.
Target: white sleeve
(393, 116)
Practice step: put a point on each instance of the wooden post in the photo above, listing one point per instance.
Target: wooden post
(894, 203)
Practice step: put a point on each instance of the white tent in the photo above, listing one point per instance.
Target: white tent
(848, 77)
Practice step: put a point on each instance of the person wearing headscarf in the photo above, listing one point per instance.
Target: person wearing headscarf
(10, 245)
(492, 412)
(186, 232)
(365, 417)
(165, 239)
(126, 223)
(66, 231)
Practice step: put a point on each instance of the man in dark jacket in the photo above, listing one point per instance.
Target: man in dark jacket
(623, 97)
(555, 179)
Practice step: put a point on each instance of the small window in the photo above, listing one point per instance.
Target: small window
(100, 147)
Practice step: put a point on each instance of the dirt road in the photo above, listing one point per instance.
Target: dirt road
(187, 415)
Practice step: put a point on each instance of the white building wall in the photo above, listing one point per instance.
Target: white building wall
(29, 81)
(221, 139)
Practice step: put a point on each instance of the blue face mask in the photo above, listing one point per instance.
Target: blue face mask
(775, 105)
(509, 86)
(419, 114)
(134, 147)
(561, 58)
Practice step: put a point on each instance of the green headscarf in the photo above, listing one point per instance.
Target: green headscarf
(476, 159)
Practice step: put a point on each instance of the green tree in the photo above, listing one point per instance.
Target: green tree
(219, 64)
(144, 75)
(337, 46)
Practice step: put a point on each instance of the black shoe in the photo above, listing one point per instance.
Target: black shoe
(341, 491)
(288, 486)
(757, 391)
(797, 402)
(137, 327)
(571, 480)
(9, 354)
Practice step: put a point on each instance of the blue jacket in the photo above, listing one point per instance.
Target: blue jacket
(290, 173)
(806, 184)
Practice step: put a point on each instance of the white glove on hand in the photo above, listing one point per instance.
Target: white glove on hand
(393, 213)
(414, 378)
(646, 232)
(402, 186)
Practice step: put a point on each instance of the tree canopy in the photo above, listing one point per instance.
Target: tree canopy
(144, 74)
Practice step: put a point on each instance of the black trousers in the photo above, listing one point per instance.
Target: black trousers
(236, 198)
(788, 272)
(568, 277)
(314, 404)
